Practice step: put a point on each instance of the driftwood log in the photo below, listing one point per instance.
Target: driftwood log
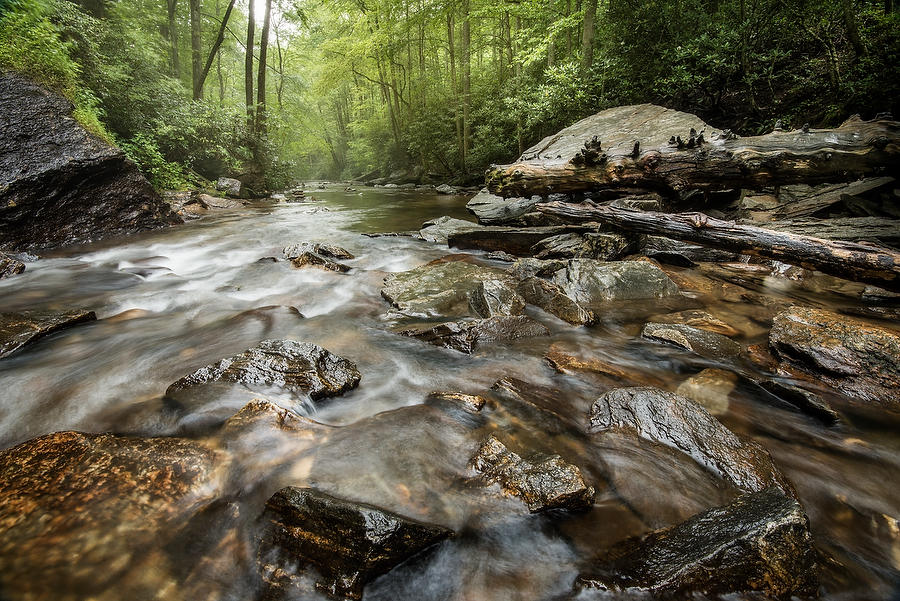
(858, 262)
(651, 147)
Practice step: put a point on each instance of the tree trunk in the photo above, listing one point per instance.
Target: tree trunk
(459, 130)
(195, 49)
(587, 36)
(173, 37)
(261, 79)
(857, 262)
(248, 67)
(852, 30)
(198, 84)
(467, 82)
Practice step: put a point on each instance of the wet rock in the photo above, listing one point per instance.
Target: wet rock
(325, 250)
(590, 245)
(309, 259)
(347, 543)
(550, 298)
(229, 185)
(528, 268)
(78, 511)
(19, 329)
(698, 319)
(440, 289)
(513, 240)
(679, 422)
(467, 336)
(859, 359)
(437, 230)
(471, 403)
(675, 252)
(639, 202)
(554, 410)
(703, 342)
(543, 484)
(499, 255)
(495, 297)
(216, 202)
(10, 266)
(300, 368)
(496, 210)
(804, 400)
(710, 388)
(594, 282)
(446, 189)
(60, 184)
(759, 542)
(265, 415)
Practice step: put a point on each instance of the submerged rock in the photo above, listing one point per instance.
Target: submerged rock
(594, 282)
(438, 289)
(679, 422)
(804, 400)
(710, 388)
(59, 184)
(437, 230)
(347, 543)
(698, 319)
(703, 342)
(496, 210)
(859, 359)
(300, 368)
(78, 511)
(471, 403)
(467, 336)
(550, 298)
(548, 483)
(590, 245)
(759, 542)
(20, 329)
(495, 297)
(265, 415)
(10, 266)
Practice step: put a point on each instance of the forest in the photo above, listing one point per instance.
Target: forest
(282, 91)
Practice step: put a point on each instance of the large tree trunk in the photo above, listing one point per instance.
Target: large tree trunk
(261, 79)
(857, 262)
(570, 162)
(198, 85)
(248, 67)
(587, 36)
(195, 49)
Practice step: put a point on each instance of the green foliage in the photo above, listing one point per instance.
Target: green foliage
(163, 174)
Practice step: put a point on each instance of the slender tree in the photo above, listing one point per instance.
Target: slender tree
(261, 78)
(587, 36)
(248, 66)
(195, 49)
(171, 7)
(214, 52)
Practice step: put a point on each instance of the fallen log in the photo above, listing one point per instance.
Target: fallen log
(825, 198)
(655, 148)
(857, 262)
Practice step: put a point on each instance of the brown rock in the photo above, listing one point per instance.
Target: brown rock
(20, 329)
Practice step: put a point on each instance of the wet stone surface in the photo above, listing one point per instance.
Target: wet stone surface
(703, 342)
(595, 282)
(20, 329)
(467, 336)
(10, 266)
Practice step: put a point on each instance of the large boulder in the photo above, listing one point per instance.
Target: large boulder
(347, 543)
(703, 342)
(59, 184)
(759, 542)
(496, 210)
(495, 297)
(437, 230)
(593, 282)
(79, 511)
(467, 335)
(859, 359)
(229, 185)
(550, 297)
(437, 289)
(19, 329)
(681, 423)
(299, 368)
(546, 483)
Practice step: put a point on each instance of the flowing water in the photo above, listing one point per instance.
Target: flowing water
(169, 302)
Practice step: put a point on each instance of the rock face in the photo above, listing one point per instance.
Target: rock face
(495, 297)
(550, 298)
(759, 542)
(496, 210)
(594, 282)
(348, 543)
(77, 510)
(859, 359)
(467, 336)
(435, 290)
(703, 342)
(19, 329)
(681, 423)
(9, 266)
(59, 184)
(550, 483)
(297, 367)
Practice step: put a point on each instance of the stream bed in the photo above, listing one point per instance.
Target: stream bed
(169, 302)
